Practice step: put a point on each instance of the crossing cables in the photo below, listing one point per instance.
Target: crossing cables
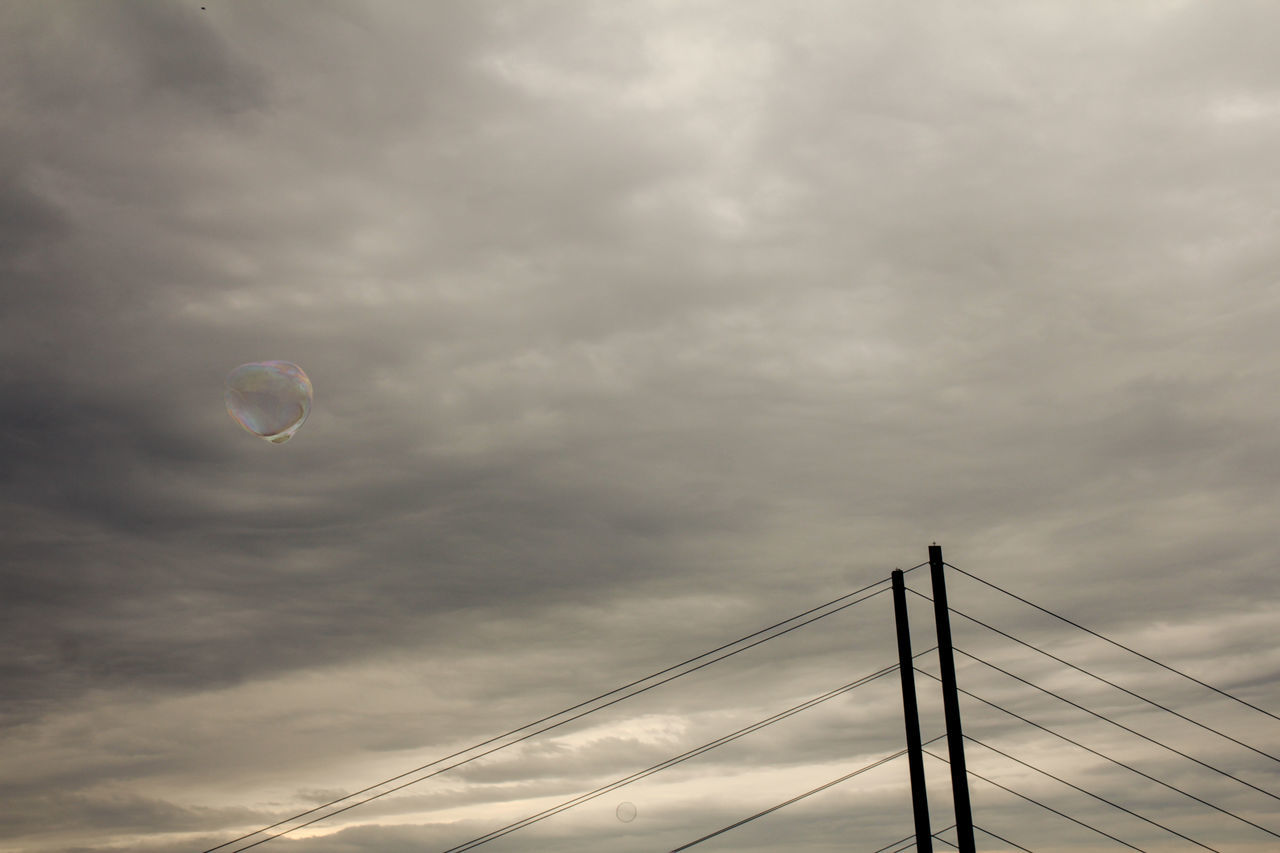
(910, 840)
(1121, 726)
(1162, 707)
(1041, 805)
(1117, 644)
(1110, 683)
(1104, 717)
(1002, 838)
(1109, 758)
(885, 760)
(673, 761)
(567, 715)
(1097, 797)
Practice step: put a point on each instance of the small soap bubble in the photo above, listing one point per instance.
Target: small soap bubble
(270, 399)
(626, 812)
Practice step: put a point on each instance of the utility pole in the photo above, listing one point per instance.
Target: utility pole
(951, 705)
(911, 713)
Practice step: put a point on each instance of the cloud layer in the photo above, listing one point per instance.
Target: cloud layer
(633, 328)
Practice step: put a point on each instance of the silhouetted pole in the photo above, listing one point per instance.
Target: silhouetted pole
(951, 705)
(911, 713)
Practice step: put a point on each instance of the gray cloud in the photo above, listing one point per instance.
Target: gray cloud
(632, 329)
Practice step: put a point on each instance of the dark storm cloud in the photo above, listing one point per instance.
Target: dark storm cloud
(178, 54)
(95, 418)
(124, 56)
(632, 329)
(26, 220)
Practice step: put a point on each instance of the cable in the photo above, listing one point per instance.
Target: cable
(670, 762)
(562, 712)
(799, 797)
(1130, 768)
(693, 753)
(1041, 805)
(1120, 725)
(938, 835)
(1110, 683)
(1117, 644)
(1001, 838)
(1091, 794)
(912, 842)
(547, 728)
(911, 838)
(892, 847)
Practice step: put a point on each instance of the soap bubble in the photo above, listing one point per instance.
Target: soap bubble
(626, 812)
(270, 399)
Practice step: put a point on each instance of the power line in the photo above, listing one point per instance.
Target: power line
(1042, 805)
(1121, 725)
(912, 843)
(938, 836)
(1106, 757)
(1092, 794)
(1110, 683)
(800, 797)
(893, 846)
(562, 712)
(547, 728)
(1002, 838)
(671, 762)
(1217, 690)
(911, 837)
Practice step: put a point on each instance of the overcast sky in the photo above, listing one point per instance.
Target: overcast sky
(634, 327)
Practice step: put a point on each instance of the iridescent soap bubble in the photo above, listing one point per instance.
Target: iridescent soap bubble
(626, 812)
(270, 399)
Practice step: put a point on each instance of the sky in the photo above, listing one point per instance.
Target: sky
(633, 328)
